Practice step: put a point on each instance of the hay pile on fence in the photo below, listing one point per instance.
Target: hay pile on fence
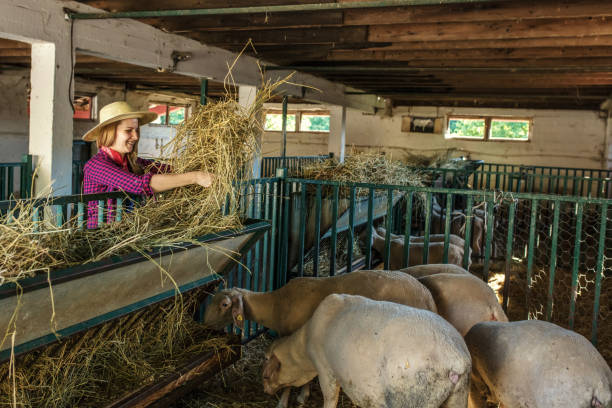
(364, 168)
(520, 306)
(218, 138)
(102, 364)
(440, 159)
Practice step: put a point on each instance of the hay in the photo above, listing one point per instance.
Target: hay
(363, 168)
(219, 138)
(101, 365)
(441, 159)
(240, 385)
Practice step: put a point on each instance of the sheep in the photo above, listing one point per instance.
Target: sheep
(463, 300)
(536, 364)
(419, 271)
(288, 308)
(381, 354)
(436, 252)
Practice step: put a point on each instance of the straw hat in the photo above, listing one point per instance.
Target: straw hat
(116, 112)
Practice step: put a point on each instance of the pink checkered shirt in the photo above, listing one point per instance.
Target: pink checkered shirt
(101, 175)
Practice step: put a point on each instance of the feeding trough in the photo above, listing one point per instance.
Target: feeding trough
(379, 205)
(92, 294)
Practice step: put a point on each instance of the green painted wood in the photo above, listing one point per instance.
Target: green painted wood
(334, 233)
(576, 263)
(600, 266)
(369, 225)
(408, 228)
(553, 260)
(388, 224)
(351, 231)
(509, 248)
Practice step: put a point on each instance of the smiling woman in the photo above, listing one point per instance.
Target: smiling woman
(117, 166)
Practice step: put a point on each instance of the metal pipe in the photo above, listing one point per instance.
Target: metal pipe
(270, 9)
(353, 68)
(284, 147)
(203, 91)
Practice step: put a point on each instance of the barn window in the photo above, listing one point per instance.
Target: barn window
(314, 122)
(509, 129)
(298, 121)
(469, 128)
(274, 121)
(488, 128)
(168, 114)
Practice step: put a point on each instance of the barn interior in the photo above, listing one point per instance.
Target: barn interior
(503, 109)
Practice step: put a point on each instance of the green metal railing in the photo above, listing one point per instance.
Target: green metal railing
(10, 184)
(291, 163)
(526, 179)
(551, 251)
(77, 176)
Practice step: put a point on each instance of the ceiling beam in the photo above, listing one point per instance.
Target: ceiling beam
(589, 41)
(269, 9)
(292, 36)
(498, 11)
(246, 22)
(485, 53)
(139, 44)
(490, 30)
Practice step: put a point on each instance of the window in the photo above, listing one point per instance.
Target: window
(298, 121)
(274, 122)
(168, 114)
(488, 128)
(314, 122)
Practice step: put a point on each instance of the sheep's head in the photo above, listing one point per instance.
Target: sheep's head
(225, 308)
(281, 370)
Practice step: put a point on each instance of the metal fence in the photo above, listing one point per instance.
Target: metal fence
(548, 256)
(526, 179)
(256, 270)
(16, 178)
(291, 163)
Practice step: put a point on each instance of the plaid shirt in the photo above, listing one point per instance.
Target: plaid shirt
(101, 175)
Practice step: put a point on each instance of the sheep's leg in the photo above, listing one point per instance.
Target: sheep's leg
(304, 394)
(330, 389)
(283, 402)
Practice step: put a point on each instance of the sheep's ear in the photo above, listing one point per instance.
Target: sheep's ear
(238, 310)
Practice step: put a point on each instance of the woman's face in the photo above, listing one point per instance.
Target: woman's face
(126, 137)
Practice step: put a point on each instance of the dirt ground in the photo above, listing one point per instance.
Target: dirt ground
(240, 386)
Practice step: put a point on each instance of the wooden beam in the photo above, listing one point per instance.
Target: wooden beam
(484, 103)
(483, 53)
(123, 5)
(180, 25)
(510, 10)
(591, 41)
(491, 30)
(287, 37)
(140, 44)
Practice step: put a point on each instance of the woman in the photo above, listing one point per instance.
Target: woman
(116, 166)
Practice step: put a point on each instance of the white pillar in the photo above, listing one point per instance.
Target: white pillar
(337, 132)
(51, 116)
(246, 98)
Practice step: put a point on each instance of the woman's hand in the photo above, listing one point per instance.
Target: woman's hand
(203, 179)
